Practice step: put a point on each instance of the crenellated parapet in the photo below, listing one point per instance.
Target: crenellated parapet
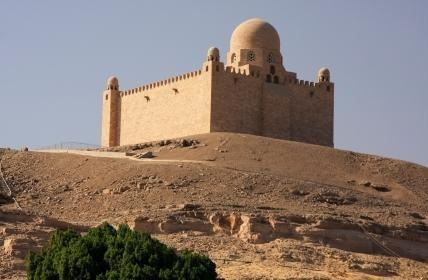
(242, 72)
(308, 84)
(161, 83)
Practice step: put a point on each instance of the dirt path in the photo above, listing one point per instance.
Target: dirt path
(120, 155)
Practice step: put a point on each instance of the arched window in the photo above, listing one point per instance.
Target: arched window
(272, 70)
(233, 58)
(276, 79)
(268, 78)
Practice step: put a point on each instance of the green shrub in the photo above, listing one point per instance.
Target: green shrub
(109, 254)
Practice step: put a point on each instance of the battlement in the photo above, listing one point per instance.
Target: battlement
(251, 73)
(236, 72)
(305, 84)
(161, 83)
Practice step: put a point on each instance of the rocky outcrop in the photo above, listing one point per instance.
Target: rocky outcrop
(18, 246)
(21, 232)
(340, 233)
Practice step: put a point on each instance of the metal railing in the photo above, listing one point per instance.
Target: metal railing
(69, 145)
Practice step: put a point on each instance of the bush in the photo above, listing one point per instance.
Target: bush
(109, 254)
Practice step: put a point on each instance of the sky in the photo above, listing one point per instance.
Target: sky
(55, 57)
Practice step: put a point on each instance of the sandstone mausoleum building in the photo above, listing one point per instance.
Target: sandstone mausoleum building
(251, 92)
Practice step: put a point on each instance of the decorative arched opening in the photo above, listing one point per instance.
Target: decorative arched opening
(233, 58)
(268, 78)
(272, 70)
(324, 79)
(270, 58)
(251, 56)
(276, 80)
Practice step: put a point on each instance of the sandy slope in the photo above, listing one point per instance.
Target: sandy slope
(262, 208)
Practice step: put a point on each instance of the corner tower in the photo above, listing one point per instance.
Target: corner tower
(111, 114)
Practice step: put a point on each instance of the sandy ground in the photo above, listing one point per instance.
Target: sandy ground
(261, 208)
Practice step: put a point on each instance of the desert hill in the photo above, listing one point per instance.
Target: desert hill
(261, 208)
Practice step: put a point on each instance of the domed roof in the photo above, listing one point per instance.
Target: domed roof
(255, 34)
(213, 51)
(112, 81)
(324, 71)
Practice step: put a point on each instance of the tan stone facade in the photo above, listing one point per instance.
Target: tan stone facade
(252, 93)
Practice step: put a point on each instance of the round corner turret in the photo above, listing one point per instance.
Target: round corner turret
(213, 54)
(324, 75)
(112, 83)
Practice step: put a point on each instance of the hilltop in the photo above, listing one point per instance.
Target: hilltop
(262, 208)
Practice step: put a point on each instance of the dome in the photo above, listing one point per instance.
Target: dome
(213, 51)
(213, 54)
(324, 72)
(324, 75)
(255, 34)
(113, 83)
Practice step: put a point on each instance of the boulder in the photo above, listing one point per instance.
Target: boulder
(107, 191)
(147, 154)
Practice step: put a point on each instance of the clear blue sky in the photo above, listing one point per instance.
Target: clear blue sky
(55, 57)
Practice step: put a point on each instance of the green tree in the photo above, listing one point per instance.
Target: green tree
(109, 254)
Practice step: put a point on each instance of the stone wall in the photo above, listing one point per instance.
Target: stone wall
(216, 99)
(236, 103)
(311, 112)
(276, 111)
(175, 107)
(293, 110)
